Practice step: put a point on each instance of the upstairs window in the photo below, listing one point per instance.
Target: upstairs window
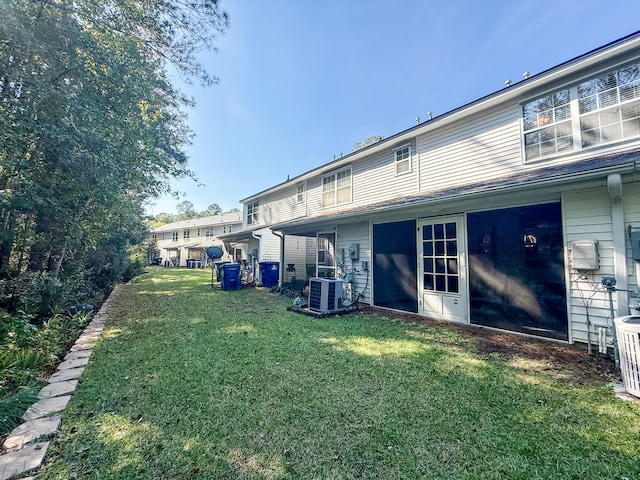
(300, 193)
(547, 125)
(154, 236)
(252, 213)
(186, 234)
(601, 110)
(336, 188)
(403, 160)
(174, 236)
(208, 233)
(610, 106)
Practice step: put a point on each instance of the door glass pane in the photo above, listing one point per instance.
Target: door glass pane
(428, 282)
(451, 230)
(439, 265)
(439, 248)
(427, 233)
(440, 283)
(452, 248)
(427, 249)
(452, 284)
(438, 230)
(428, 265)
(452, 266)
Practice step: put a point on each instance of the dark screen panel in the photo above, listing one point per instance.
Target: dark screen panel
(516, 270)
(394, 266)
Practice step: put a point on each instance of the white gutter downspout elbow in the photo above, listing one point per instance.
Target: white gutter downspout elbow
(259, 238)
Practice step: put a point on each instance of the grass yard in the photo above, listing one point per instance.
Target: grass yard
(190, 383)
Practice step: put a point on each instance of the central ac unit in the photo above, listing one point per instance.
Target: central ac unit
(324, 294)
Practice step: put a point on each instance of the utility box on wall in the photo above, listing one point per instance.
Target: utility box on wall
(354, 251)
(584, 255)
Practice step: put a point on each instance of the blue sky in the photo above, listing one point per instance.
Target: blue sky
(303, 80)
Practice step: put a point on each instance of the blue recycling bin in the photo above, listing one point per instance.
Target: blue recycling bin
(230, 276)
(218, 266)
(270, 273)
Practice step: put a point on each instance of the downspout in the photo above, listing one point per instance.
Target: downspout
(614, 186)
(281, 269)
(256, 262)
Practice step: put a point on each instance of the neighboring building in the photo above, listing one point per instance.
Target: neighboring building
(470, 217)
(178, 242)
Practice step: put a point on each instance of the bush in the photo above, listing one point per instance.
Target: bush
(27, 351)
(43, 294)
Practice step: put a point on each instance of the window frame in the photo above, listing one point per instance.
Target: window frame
(301, 193)
(174, 236)
(335, 190)
(186, 234)
(405, 159)
(621, 115)
(252, 212)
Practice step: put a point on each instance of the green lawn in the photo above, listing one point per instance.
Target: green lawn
(195, 383)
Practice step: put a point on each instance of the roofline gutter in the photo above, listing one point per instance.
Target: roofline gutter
(531, 84)
(605, 172)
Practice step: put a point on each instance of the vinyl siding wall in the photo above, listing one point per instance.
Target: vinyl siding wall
(356, 233)
(587, 216)
(631, 194)
(457, 155)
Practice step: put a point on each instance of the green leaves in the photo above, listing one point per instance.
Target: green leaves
(90, 124)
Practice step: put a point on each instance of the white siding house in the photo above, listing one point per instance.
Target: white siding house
(178, 242)
(471, 216)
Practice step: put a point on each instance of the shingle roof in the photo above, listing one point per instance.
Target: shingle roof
(525, 179)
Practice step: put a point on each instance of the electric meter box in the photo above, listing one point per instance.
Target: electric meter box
(354, 251)
(584, 255)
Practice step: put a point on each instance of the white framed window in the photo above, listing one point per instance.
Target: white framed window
(336, 188)
(224, 229)
(208, 232)
(252, 213)
(198, 232)
(230, 228)
(547, 125)
(174, 236)
(186, 234)
(402, 157)
(154, 236)
(300, 193)
(600, 110)
(609, 106)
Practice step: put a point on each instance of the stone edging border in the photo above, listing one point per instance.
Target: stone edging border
(21, 451)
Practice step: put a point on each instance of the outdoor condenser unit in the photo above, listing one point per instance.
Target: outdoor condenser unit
(324, 293)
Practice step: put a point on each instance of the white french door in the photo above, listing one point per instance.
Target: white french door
(442, 279)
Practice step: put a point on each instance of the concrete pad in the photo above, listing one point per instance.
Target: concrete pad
(23, 460)
(78, 362)
(30, 431)
(78, 354)
(622, 394)
(45, 407)
(58, 389)
(63, 375)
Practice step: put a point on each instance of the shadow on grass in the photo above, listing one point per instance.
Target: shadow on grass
(218, 384)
